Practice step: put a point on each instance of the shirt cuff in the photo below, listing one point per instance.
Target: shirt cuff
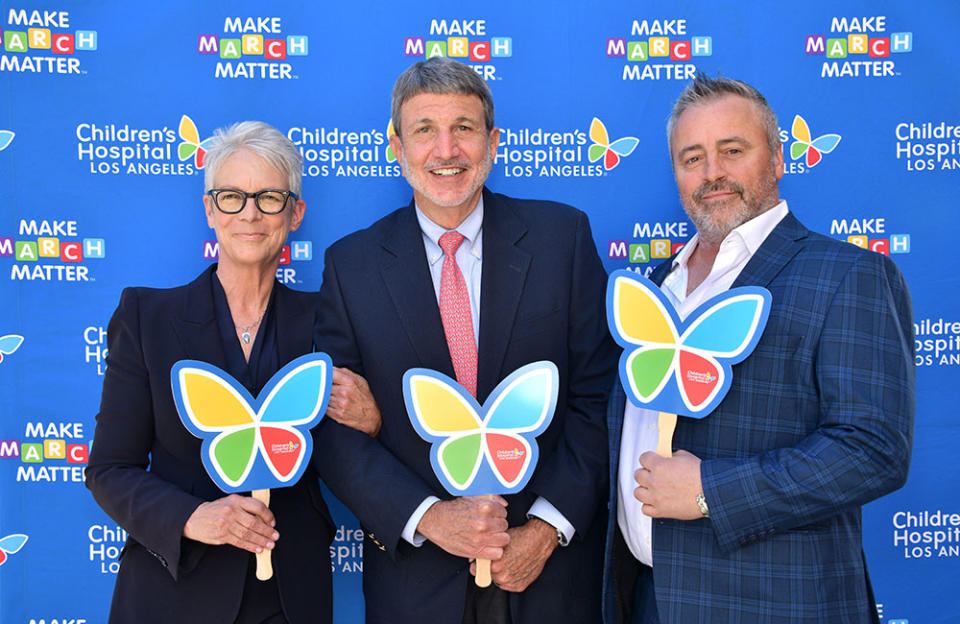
(410, 528)
(541, 508)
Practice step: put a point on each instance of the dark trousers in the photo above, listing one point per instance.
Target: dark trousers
(636, 599)
(486, 605)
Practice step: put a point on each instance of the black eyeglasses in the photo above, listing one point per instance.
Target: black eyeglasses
(232, 201)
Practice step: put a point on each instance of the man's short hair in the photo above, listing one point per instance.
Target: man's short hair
(703, 88)
(440, 75)
(259, 138)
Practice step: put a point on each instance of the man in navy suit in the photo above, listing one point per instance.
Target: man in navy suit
(758, 518)
(531, 288)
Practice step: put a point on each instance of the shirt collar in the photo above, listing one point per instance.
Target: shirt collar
(751, 234)
(470, 228)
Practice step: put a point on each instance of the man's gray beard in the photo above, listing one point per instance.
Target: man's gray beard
(486, 166)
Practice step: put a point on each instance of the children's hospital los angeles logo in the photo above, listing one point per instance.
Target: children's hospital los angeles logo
(659, 49)
(543, 153)
(469, 41)
(43, 42)
(109, 148)
(254, 48)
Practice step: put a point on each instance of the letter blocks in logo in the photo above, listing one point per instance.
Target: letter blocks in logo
(641, 253)
(49, 448)
(858, 43)
(896, 244)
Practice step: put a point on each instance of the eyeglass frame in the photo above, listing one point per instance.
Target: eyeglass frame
(256, 199)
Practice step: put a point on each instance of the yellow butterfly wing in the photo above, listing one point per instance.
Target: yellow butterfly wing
(639, 315)
(598, 133)
(188, 131)
(439, 408)
(800, 129)
(211, 403)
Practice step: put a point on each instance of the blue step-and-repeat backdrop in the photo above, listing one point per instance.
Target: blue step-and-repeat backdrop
(102, 102)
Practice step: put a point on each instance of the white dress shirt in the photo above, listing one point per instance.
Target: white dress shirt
(470, 260)
(640, 429)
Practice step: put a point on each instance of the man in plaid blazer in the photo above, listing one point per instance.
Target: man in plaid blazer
(757, 518)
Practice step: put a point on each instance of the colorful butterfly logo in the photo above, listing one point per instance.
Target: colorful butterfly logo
(6, 137)
(10, 545)
(9, 344)
(391, 157)
(813, 149)
(462, 434)
(192, 146)
(236, 428)
(697, 353)
(603, 148)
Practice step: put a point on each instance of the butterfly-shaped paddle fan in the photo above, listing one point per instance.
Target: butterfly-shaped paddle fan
(236, 429)
(489, 450)
(10, 545)
(678, 366)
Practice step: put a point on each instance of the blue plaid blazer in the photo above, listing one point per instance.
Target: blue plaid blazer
(818, 421)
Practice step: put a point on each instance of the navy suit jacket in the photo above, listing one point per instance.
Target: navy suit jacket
(146, 473)
(817, 422)
(542, 291)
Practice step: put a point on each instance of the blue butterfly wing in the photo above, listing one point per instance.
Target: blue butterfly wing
(826, 143)
(625, 146)
(729, 325)
(525, 400)
(297, 395)
(6, 137)
(520, 408)
(9, 344)
(13, 543)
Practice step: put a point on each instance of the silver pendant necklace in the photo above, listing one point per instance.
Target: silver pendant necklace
(245, 330)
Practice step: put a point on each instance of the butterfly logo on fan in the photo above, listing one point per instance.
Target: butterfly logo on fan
(488, 450)
(696, 355)
(603, 148)
(9, 344)
(812, 148)
(236, 428)
(10, 545)
(192, 145)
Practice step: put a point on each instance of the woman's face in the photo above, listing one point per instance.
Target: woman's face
(251, 238)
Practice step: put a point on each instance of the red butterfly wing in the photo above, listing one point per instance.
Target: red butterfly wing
(698, 377)
(282, 447)
(508, 454)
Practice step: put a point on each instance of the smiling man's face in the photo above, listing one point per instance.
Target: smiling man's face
(445, 152)
(725, 172)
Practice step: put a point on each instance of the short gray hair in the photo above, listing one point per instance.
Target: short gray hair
(259, 138)
(703, 88)
(443, 76)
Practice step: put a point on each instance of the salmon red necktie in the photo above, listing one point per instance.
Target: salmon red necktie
(455, 313)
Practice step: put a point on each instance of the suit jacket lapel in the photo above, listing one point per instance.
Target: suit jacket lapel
(504, 272)
(196, 325)
(294, 324)
(406, 276)
(773, 254)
